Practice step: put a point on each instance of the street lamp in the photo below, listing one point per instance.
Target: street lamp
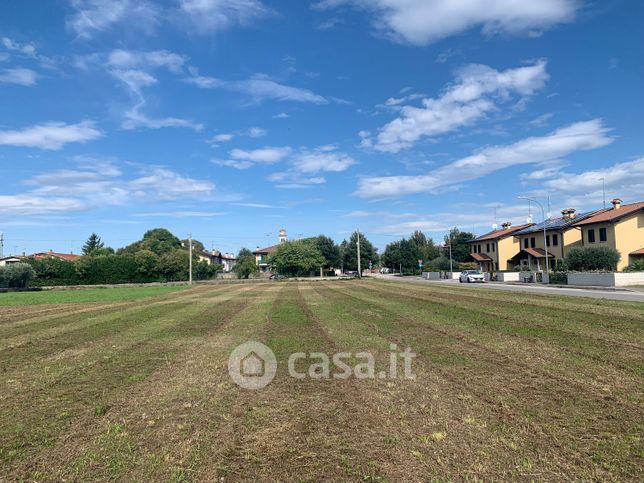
(545, 244)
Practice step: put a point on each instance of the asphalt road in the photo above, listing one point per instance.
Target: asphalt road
(624, 295)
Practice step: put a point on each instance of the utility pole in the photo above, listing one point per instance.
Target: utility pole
(603, 190)
(358, 247)
(190, 258)
(451, 264)
(545, 243)
(1, 244)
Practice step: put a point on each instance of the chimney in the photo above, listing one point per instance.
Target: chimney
(506, 225)
(617, 203)
(282, 235)
(568, 213)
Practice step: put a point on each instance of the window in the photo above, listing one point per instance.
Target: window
(555, 240)
(487, 247)
(591, 236)
(525, 243)
(493, 246)
(548, 240)
(533, 242)
(602, 234)
(479, 248)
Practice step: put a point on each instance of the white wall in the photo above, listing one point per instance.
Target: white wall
(507, 276)
(606, 279)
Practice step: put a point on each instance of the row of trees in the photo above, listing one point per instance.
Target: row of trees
(404, 254)
(310, 255)
(158, 257)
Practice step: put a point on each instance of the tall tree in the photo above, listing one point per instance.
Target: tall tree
(426, 245)
(297, 259)
(368, 254)
(93, 244)
(329, 250)
(159, 241)
(246, 264)
(460, 247)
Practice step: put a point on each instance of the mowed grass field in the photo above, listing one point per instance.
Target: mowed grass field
(507, 386)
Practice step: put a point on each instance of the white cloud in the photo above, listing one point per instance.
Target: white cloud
(97, 183)
(30, 204)
(257, 205)
(213, 15)
(305, 163)
(165, 184)
(268, 155)
(624, 180)
(257, 132)
(129, 59)
(232, 163)
(50, 135)
(472, 97)
(321, 160)
(18, 75)
(222, 138)
(281, 115)
(180, 214)
(253, 132)
(95, 16)
(24, 49)
(132, 68)
(579, 136)
(259, 88)
(420, 22)
(134, 119)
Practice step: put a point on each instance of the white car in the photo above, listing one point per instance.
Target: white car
(471, 276)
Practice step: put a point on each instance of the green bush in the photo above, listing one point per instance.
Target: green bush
(559, 278)
(53, 271)
(16, 275)
(636, 266)
(583, 259)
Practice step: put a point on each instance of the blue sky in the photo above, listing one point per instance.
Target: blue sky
(233, 119)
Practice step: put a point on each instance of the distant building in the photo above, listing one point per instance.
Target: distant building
(262, 254)
(10, 259)
(68, 257)
(228, 260)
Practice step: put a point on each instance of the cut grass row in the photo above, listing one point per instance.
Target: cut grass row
(57, 296)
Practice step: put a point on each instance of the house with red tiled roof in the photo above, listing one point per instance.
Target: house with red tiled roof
(493, 250)
(68, 257)
(620, 227)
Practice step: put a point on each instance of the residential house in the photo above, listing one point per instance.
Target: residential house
(10, 259)
(228, 260)
(620, 227)
(262, 254)
(493, 250)
(561, 236)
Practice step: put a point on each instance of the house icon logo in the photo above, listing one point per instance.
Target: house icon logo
(252, 365)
